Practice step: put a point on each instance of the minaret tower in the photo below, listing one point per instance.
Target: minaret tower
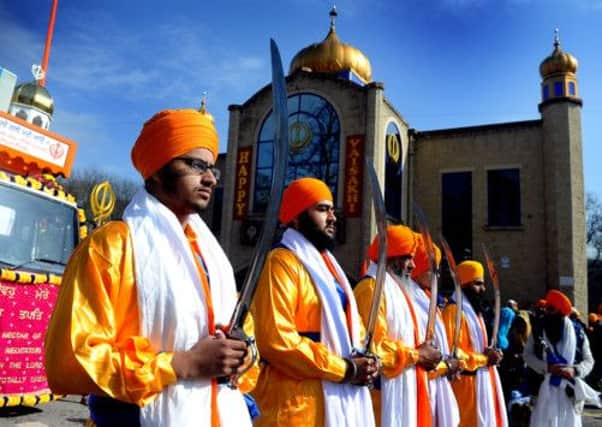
(563, 174)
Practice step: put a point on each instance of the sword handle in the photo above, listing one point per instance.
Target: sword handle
(367, 353)
(237, 333)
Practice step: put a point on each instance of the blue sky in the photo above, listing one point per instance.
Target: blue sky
(444, 63)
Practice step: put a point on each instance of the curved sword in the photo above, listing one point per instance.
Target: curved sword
(451, 262)
(381, 226)
(428, 244)
(497, 294)
(279, 95)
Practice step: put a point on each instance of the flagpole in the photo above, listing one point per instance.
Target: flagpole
(48, 42)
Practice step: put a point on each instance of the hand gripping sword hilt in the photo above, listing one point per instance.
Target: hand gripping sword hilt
(369, 354)
(239, 334)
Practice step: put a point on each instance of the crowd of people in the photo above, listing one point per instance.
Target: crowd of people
(529, 333)
(140, 320)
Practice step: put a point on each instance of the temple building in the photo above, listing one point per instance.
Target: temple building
(516, 187)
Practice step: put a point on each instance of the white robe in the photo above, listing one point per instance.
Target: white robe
(443, 400)
(553, 408)
(173, 311)
(345, 405)
(486, 391)
(398, 395)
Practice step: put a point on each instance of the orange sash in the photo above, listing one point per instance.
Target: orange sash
(210, 316)
(498, 410)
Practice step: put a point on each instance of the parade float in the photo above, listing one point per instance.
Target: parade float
(40, 225)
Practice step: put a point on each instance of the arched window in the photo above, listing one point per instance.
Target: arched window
(314, 134)
(393, 171)
(21, 114)
(37, 120)
(572, 90)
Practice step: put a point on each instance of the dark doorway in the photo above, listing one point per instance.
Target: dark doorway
(456, 224)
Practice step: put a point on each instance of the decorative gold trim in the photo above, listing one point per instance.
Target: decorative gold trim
(27, 399)
(29, 278)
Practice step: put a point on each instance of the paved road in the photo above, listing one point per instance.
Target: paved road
(69, 412)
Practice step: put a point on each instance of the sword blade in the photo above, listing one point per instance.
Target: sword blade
(451, 262)
(497, 295)
(280, 111)
(381, 226)
(428, 244)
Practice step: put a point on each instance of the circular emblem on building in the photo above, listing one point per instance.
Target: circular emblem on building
(393, 147)
(299, 136)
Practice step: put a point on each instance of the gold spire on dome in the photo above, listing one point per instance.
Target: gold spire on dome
(558, 61)
(203, 107)
(333, 56)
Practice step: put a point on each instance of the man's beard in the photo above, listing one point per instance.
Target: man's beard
(398, 270)
(317, 237)
(476, 300)
(553, 325)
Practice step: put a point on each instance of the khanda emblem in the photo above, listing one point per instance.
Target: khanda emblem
(102, 202)
(393, 147)
(299, 136)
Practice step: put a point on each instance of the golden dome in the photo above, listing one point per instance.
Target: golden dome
(558, 61)
(203, 108)
(34, 95)
(333, 56)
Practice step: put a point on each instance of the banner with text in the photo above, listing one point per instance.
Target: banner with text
(354, 172)
(242, 185)
(24, 315)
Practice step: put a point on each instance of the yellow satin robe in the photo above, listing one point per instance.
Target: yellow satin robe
(465, 387)
(93, 343)
(394, 355)
(286, 305)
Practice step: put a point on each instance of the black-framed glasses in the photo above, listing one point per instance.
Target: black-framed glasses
(201, 166)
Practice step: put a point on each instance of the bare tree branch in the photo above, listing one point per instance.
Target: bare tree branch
(82, 181)
(593, 230)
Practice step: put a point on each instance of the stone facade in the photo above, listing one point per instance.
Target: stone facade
(477, 150)
(544, 249)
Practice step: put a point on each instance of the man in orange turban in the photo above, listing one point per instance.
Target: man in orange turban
(558, 350)
(135, 322)
(310, 325)
(402, 395)
(478, 390)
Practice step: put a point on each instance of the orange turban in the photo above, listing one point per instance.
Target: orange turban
(169, 134)
(421, 258)
(468, 271)
(592, 318)
(300, 195)
(541, 303)
(559, 301)
(400, 241)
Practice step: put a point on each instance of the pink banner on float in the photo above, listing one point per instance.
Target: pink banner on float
(25, 311)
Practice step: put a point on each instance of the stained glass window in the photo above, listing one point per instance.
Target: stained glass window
(393, 172)
(314, 134)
